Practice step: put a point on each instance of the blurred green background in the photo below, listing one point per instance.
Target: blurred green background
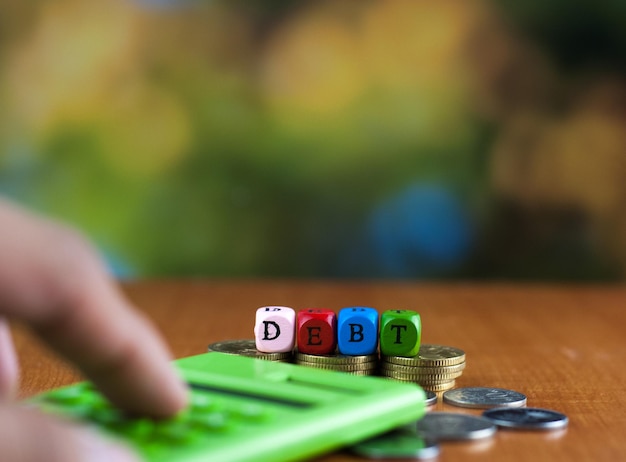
(377, 139)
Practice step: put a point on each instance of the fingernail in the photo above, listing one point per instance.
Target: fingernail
(98, 448)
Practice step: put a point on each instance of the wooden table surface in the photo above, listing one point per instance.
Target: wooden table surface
(562, 346)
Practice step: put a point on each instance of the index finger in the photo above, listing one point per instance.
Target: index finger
(52, 279)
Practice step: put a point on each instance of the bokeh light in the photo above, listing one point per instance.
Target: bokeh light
(383, 139)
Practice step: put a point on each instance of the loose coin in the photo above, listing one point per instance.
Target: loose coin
(452, 426)
(484, 397)
(397, 444)
(247, 348)
(527, 418)
(431, 398)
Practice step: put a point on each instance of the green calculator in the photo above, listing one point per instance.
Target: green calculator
(246, 409)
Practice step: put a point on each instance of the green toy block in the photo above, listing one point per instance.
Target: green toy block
(400, 333)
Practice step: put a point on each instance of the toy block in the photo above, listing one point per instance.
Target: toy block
(274, 329)
(400, 333)
(357, 331)
(316, 331)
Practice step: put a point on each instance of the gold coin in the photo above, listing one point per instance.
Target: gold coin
(432, 378)
(422, 370)
(427, 386)
(422, 378)
(371, 366)
(440, 387)
(429, 356)
(336, 359)
(248, 348)
(419, 381)
(367, 372)
(416, 375)
(397, 379)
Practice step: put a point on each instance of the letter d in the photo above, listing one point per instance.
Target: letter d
(266, 330)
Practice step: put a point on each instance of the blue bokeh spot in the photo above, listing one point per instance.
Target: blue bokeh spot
(422, 231)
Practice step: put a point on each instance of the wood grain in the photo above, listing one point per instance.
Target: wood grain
(563, 346)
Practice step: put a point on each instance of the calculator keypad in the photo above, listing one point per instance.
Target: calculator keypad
(206, 417)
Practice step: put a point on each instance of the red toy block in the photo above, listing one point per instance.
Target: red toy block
(316, 331)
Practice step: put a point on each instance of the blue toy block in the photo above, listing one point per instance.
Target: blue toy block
(357, 331)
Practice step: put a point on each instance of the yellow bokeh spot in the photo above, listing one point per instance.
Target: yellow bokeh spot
(409, 43)
(336, 61)
(64, 69)
(313, 64)
(573, 162)
(144, 132)
(589, 161)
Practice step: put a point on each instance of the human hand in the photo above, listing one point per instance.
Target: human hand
(52, 280)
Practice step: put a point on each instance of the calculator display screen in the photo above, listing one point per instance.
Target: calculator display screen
(244, 394)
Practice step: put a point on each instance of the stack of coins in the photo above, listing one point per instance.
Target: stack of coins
(435, 368)
(248, 348)
(355, 365)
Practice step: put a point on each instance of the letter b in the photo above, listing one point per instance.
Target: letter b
(357, 331)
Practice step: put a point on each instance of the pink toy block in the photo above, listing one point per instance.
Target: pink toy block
(274, 329)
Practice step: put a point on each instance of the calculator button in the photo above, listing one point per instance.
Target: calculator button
(80, 411)
(151, 450)
(173, 432)
(69, 395)
(98, 403)
(107, 416)
(216, 421)
(136, 429)
(252, 413)
(203, 402)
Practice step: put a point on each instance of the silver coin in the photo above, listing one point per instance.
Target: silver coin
(452, 426)
(527, 418)
(397, 444)
(431, 398)
(484, 397)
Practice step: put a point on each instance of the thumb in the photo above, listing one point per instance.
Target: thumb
(28, 436)
(9, 370)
